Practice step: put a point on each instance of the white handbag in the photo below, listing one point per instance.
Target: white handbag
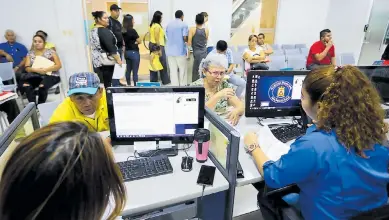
(107, 60)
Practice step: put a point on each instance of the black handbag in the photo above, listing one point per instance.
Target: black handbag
(259, 66)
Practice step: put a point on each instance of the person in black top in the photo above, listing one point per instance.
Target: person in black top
(116, 27)
(131, 40)
(103, 43)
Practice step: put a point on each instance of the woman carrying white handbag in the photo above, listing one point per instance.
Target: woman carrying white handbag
(103, 47)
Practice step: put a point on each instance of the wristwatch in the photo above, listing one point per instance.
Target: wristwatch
(252, 147)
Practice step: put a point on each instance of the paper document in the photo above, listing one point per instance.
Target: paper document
(7, 96)
(271, 146)
(119, 71)
(42, 62)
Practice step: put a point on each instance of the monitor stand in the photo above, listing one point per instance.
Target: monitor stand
(170, 152)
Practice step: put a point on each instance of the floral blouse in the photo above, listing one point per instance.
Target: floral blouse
(222, 104)
(48, 54)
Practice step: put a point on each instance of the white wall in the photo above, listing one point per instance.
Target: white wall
(62, 20)
(346, 19)
(219, 12)
(300, 21)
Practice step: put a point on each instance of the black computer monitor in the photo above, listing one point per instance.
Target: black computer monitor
(155, 113)
(274, 93)
(379, 76)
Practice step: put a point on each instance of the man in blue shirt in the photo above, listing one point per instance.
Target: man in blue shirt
(17, 51)
(176, 50)
(222, 48)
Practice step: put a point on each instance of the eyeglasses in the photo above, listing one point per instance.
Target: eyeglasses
(217, 73)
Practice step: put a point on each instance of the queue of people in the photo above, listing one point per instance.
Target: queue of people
(340, 164)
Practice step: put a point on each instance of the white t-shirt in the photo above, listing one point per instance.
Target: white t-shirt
(258, 50)
(91, 116)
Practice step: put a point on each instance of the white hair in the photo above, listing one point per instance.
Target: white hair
(9, 31)
(214, 60)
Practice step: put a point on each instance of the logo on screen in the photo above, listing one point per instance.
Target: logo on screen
(280, 91)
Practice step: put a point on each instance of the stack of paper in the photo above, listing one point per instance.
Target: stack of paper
(271, 146)
(5, 96)
(42, 62)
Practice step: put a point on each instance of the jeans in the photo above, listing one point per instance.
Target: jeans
(106, 72)
(165, 78)
(44, 83)
(132, 60)
(178, 70)
(239, 82)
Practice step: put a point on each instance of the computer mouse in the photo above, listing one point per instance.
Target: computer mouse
(186, 164)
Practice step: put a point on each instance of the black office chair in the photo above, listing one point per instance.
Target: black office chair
(285, 212)
(273, 207)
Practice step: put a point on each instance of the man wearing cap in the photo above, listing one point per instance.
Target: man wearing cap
(116, 27)
(86, 103)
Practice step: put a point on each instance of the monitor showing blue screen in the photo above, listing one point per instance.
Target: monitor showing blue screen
(278, 92)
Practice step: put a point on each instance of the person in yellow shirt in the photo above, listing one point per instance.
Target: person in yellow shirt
(158, 38)
(155, 64)
(86, 103)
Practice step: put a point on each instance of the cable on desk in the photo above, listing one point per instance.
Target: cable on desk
(200, 205)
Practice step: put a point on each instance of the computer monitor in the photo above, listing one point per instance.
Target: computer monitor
(274, 93)
(379, 76)
(155, 113)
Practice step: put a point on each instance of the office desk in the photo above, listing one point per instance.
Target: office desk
(162, 191)
(266, 139)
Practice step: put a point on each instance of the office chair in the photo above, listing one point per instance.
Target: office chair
(46, 110)
(290, 213)
(277, 62)
(297, 62)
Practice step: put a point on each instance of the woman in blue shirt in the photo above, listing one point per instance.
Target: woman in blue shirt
(341, 163)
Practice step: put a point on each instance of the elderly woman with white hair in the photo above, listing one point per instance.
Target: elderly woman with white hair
(219, 94)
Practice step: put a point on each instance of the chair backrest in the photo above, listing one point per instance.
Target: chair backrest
(277, 62)
(338, 62)
(275, 46)
(304, 51)
(297, 62)
(278, 52)
(347, 59)
(300, 46)
(287, 46)
(292, 51)
(377, 213)
(241, 48)
(237, 56)
(7, 71)
(46, 110)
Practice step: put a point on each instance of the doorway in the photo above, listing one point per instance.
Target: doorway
(139, 9)
(377, 33)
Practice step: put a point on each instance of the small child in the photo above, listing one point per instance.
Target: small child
(155, 64)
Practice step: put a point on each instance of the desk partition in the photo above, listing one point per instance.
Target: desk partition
(20, 123)
(225, 154)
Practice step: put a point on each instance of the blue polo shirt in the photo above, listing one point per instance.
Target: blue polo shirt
(16, 50)
(335, 183)
(176, 30)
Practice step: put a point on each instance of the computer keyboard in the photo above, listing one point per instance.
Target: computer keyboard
(145, 167)
(287, 133)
